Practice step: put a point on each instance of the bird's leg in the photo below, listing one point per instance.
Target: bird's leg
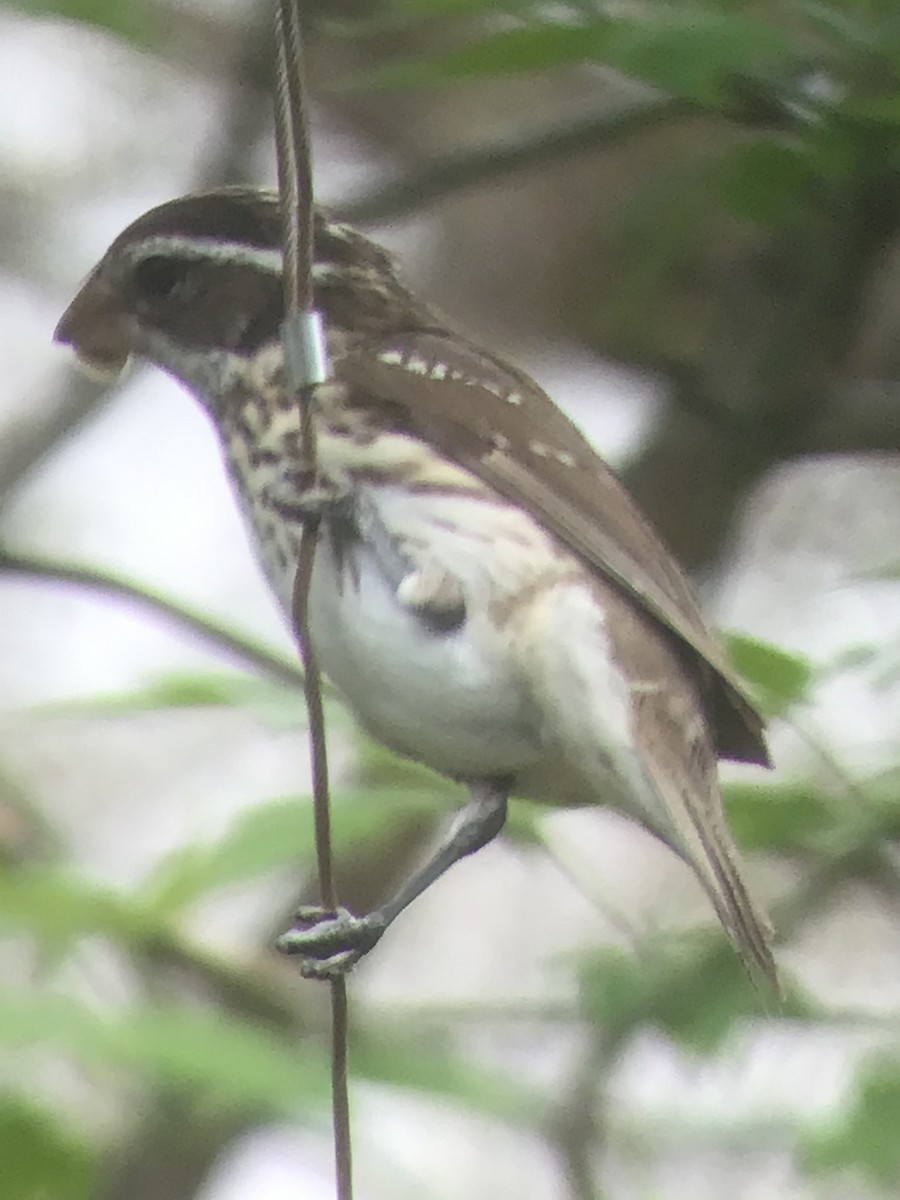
(329, 943)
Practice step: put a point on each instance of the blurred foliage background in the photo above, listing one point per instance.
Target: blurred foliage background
(706, 194)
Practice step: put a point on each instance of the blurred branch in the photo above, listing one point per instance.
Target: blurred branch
(575, 1128)
(250, 651)
(251, 993)
(778, 353)
(486, 164)
(171, 1151)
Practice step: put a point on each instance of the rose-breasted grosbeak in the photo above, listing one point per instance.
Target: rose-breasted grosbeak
(486, 595)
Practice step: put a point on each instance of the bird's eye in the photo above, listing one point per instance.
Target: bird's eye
(160, 277)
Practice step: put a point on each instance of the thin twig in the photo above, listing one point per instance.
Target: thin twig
(244, 647)
(537, 148)
(296, 190)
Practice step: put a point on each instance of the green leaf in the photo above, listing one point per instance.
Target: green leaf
(129, 20)
(692, 987)
(776, 816)
(268, 836)
(59, 906)
(659, 237)
(401, 12)
(865, 1136)
(382, 771)
(272, 836)
(888, 571)
(512, 52)
(379, 768)
(234, 1065)
(689, 51)
(273, 703)
(525, 825)
(42, 1160)
(780, 679)
(765, 181)
(696, 1002)
(243, 1068)
(880, 818)
(693, 52)
(429, 8)
(196, 689)
(848, 26)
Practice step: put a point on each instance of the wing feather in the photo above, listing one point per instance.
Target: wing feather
(497, 423)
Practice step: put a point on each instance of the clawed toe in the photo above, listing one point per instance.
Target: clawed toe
(329, 943)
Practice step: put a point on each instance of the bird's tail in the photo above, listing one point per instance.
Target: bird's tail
(709, 849)
(628, 714)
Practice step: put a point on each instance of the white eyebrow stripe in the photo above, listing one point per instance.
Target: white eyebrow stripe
(340, 231)
(210, 250)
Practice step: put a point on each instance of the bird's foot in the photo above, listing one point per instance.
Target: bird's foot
(292, 496)
(329, 943)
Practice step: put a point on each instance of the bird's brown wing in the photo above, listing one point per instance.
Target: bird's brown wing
(497, 423)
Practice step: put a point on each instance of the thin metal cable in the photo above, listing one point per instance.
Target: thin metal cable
(294, 170)
(305, 366)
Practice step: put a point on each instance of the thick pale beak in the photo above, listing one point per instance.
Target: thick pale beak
(94, 326)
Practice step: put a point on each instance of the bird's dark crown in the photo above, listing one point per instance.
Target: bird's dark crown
(204, 273)
(250, 217)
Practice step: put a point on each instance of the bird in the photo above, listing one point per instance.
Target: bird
(485, 594)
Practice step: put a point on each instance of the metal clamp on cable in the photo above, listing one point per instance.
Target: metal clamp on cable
(305, 350)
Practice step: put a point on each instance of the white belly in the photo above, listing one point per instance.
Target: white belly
(450, 699)
(456, 701)
(469, 702)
